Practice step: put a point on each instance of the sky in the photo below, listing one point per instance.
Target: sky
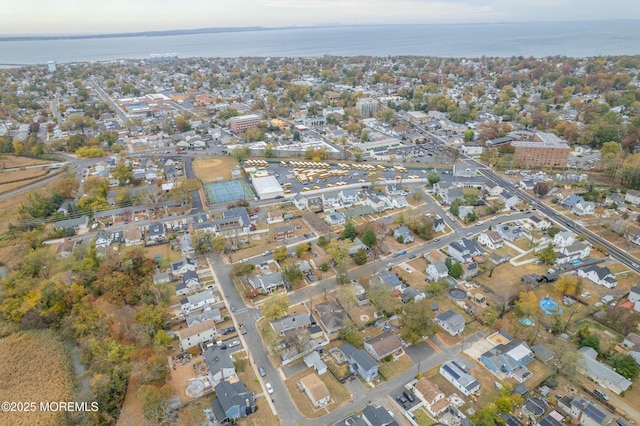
(31, 17)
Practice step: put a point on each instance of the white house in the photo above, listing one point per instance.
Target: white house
(491, 239)
(564, 239)
(185, 264)
(315, 389)
(197, 301)
(458, 376)
(349, 197)
(197, 334)
(337, 218)
(575, 251)
(437, 271)
(452, 322)
(221, 366)
(632, 196)
(598, 275)
(583, 208)
(434, 399)
(464, 250)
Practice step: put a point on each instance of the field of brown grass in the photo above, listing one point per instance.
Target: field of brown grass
(34, 367)
(11, 161)
(6, 177)
(212, 168)
(9, 205)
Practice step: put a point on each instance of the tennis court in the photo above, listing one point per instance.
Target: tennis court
(223, 192)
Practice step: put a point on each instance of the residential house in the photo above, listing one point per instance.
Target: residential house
(349, 197)
(464, 211)
(377, 416)
(583, 208)
(527, 184)
(314, 360)
(634, 296)
(383, 345)
(458, 376)
(65, 249)
(395, 188)
(493, 189)
(463, 250)
(355, 246)
(315, 389)
(436, 271)
(543, 353)
(233, 223)
(616, 199)
(360, 362)
(132, 236)
(268, 282)
(198, 317)
(183, 265)
(186, 245)
(491, 239)
(509, 358)
(331, 200)
(434, 399)
(387, 278)
(632, 196)
(220, 364)
(552, 419)
(510, 232)
(510, 199)
(403, 235)
(103, 238)
(156, 232)
(377, 203)
(301, 202)
(598, 275)
(337, 218)
(291, 322)
(331, 315)
(79, 224)
(571, 201)
(162, 278)
(575, 251)
(197, 301)
(438, 224)
(233, 401)
(452, 322)
(564, 239)
(410, 293)
(632, 341)
(600, 373)
(398, 201)
(197, 334)
(283, 232)
(452, 194)
(540, 223)
(190, 282)
(585, 411)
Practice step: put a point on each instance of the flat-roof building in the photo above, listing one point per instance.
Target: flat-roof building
(243, 122)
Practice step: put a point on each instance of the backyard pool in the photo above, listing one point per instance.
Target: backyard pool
(549, 306)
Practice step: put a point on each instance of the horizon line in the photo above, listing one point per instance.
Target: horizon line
(204, 30)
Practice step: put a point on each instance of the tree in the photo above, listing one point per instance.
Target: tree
(381, 295)
(349, 231)
(350, 334)
(280, 253)
(569, 284)
(183, 190)
(626, 365)
(547, 255)
(360, 257)
(337, 250)
(301, 249)
(276, 307)
(527, 304)
(240, 152)
(292, 273)
(417, 320)
(541, 189)
(456, 270)
(156, 406)
(346, 296)
(369, 238)
(433, 178)
(469, 135)
(202, 241)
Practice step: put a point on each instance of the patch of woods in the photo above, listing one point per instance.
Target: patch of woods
(69, 299)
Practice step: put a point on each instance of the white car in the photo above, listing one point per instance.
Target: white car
(585, 295)
(409, 270)
(234, 343)
(269, 388)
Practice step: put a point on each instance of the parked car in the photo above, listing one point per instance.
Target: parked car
(269, 388)
(262, 372)
(409, 396)
(233, 308)
(234, 343)
(266, 253)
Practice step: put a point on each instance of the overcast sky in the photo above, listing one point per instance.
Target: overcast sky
(112, 16)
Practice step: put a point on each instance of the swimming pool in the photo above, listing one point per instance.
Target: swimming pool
(549, 306)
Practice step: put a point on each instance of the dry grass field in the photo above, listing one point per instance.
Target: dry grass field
(31, 373)
(12, 161)
(211, 169)
(7, 177)
(339, 394)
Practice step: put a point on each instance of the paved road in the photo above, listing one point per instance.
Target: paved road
(114, 106)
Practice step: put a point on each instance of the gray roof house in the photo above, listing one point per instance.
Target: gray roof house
(377, 416)
(452, 322)
(233, 401)
(601, 373)
(268, 282)
(220, 364)
(360, 362)
(600, 275)
(383, 345)
(404, 233)
(291, 322)
(458, 376)
(183, 265)
(197, 301)
(437, 270)
(332, 316)
(464, 250)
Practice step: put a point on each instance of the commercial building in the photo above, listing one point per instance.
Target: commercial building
(243, 122)
(545, 149)
(267, 188)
